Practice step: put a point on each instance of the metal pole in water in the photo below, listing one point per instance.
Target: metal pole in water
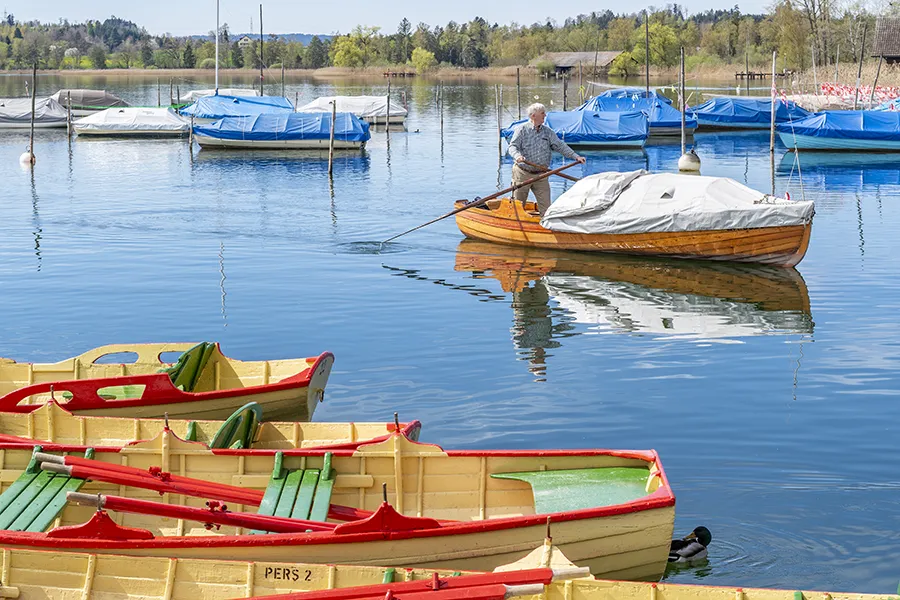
(499, 136)
(68, 113)
(519, 92)
(441, 96)
(217, 47)
(647, 49)
(774, 97)
(689, 161)
(28, 157)
(875, 84)
(331, 138)
(681, 100)
(261, 54)
(387, 114)
(859, 69)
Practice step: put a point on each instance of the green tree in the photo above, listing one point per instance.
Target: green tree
(404, 36)
(18, 33)
(664, 47)
(316, 54)
(237, 56)
(624, 65)
(146, 54)
(423, 60)
(345, 53)
(187, 56)
(618, 35)
(97, 56)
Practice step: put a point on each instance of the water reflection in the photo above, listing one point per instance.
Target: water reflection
(346, 162)
(612, 294)
(35, 220)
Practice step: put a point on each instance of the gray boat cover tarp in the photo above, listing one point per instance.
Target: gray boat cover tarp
(17, 111)
(364, 107)
(133, 119)
(88, 98)
(638, 202)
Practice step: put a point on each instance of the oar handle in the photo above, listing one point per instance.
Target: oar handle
(543, 168)
(483, 201)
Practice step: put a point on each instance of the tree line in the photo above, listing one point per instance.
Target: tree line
(800, 30)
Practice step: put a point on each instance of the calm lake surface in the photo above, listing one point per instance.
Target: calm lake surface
(772, 396)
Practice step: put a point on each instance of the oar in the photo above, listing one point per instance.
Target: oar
(482, 201)
(542, 168)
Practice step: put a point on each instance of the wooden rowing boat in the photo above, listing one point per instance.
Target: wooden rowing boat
(199, 383)
(52, 424)
(612, 511)
(509, 222)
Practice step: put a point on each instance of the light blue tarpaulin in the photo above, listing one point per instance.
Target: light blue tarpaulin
(660, 113)
(848, 124)
(634, 92)
(742, 112)
(587, 127)
(216, 107)
(287, 126)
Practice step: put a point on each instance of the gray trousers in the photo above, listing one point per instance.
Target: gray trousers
(540, 188)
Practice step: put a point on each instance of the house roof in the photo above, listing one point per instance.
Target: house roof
(572, 59)
(887, 37)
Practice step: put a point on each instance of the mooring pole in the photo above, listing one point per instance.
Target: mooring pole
(859, 69)
(774, 97)
(33, 101)
(682, 103)
(158, 93)
(69, 113)
(261, 53)
(387, 114)
(647, 49)
(565, 92)
(875, 84)
(518, 92)
(331, 138)
(282, 78)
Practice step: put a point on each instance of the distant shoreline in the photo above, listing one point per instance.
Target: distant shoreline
(275, 74)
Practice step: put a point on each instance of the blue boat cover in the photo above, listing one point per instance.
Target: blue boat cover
(848, 124)
(585, 127)
(287, 126)
(216, 107)
(660, 113)
(749, 110)
(634, 92)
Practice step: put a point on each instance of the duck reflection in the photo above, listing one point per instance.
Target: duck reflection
(619, 294)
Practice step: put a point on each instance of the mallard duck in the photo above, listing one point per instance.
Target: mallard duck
(691, 547)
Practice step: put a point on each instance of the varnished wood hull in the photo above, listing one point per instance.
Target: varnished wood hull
(510, 223)
(486, 522)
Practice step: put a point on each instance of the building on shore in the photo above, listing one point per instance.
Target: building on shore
(567, 63)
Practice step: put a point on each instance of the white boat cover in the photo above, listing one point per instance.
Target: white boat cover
(637, 202)
(88, 98)
(194, 95)
(364, 107)
(17, 111)
(133, 119)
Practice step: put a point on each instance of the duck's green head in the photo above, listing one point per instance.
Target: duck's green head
(701, 534)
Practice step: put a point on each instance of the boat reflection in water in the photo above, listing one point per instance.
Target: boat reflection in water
(677, 299)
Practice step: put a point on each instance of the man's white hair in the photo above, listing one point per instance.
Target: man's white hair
(537, 107)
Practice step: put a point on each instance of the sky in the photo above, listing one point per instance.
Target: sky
(178, 17)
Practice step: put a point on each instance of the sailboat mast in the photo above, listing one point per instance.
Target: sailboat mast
(261, 53)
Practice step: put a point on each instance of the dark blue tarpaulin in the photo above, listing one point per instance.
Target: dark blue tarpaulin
(586, 127)
(287, 126)
(738, 112)
(216, 107)
(659, 113)
(848, 124)
(634, 92)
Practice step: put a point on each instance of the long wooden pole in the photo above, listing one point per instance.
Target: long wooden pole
(862, 49)
(482, 201)
(499, 127)
(158, 93)
(875, 84)
(217, 47)
(682, 103)
(519, 92)
(331, 137)
(837, 62)
(262, 55)
(815, 77)
(33, 101)
(387, 114)
(565, 92)
(543, 168)
(774, 97)
(746, 70)
(69, 113)
(647, 49)
(282, 78)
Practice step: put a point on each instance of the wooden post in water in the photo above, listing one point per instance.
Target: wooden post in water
(158, 93)
(262, 56)
(441, 106)
(33, 100)
(682, 102)
(191, 136)
(499, 136)
(518, 92)
(772, 124)
(171, 91)
(647, 49)
(387, 114)
(837, 62)
(282, 78)
(178, 94)
(862, 49)
(565, 93)
(580, 86)
(747, 68)
(331, 138)
(875, 84)
(68, 113)
(296, 99)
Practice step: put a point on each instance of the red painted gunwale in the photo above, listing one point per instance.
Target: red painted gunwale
(663, 497)
(158, 390)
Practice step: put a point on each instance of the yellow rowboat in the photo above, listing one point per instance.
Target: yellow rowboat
(199, 383)
(53, 426)
(612, 511)
(509, 222)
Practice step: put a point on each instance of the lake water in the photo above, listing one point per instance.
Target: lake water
(773, 396)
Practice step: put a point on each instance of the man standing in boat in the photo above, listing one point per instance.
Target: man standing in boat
(532, 146)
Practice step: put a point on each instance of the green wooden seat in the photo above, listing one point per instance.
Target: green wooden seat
(186, 371)
(37, 497)
(574, 489)
(299, 494)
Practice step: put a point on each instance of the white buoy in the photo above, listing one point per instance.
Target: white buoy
(27, 159)
(689, 162)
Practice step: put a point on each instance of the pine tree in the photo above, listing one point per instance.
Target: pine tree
(187, 58)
